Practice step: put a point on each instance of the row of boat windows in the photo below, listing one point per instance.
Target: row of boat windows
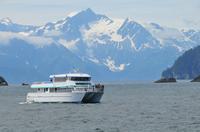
(60, 90)
(53, 90)
(63, 79)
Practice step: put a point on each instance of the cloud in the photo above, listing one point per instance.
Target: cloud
(6, 37)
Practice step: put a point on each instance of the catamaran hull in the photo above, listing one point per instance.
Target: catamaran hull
(71, 97)
(92, 97)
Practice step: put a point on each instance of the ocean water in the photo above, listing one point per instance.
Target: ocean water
(137, 107)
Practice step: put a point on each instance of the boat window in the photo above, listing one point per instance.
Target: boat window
(46, 90)
(61, 90)
(52, 90)
(80, 78)
(40, 90)
(60, 79)
(57, 90)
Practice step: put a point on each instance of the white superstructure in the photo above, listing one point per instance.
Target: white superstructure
(72, 87)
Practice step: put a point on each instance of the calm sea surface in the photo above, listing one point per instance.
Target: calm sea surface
(138, 107)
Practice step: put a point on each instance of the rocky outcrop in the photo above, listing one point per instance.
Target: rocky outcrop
(3, 82)
(197, 79)
(166, 80)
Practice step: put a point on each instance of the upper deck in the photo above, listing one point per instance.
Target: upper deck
(65, 80)
(70, 77)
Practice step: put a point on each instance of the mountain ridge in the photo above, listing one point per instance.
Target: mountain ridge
(125, 50)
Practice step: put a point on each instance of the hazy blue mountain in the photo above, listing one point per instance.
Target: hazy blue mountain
(22, 61)
(109, 49)
(7, 25)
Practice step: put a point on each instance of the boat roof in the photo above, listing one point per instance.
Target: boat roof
(52, 85)
(70, 75)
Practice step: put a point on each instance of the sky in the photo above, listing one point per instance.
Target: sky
(182, 14)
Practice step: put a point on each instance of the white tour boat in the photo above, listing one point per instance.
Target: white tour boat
(72, 87)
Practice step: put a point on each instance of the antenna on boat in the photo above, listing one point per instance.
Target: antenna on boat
(76, 70)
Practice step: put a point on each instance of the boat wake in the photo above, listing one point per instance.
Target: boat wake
(21, 103)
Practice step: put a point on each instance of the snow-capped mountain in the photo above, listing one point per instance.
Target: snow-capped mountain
(171, 37)
(109, 49)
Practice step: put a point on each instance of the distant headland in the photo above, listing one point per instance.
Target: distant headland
(3, 82)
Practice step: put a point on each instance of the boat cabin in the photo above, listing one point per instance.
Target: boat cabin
(70, 77)
(64, 83)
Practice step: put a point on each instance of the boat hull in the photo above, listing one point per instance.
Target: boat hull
(68, 97)
(92, 97)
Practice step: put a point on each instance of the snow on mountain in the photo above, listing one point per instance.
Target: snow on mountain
(7, 25)
(163, 33)
(110, 63)
(170, 37)
(110, 49)
(103, 27)
(69, 28)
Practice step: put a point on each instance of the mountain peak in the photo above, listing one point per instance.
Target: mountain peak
(129, 20)
(88, 12)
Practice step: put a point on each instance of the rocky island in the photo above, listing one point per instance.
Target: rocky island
(166, 80)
